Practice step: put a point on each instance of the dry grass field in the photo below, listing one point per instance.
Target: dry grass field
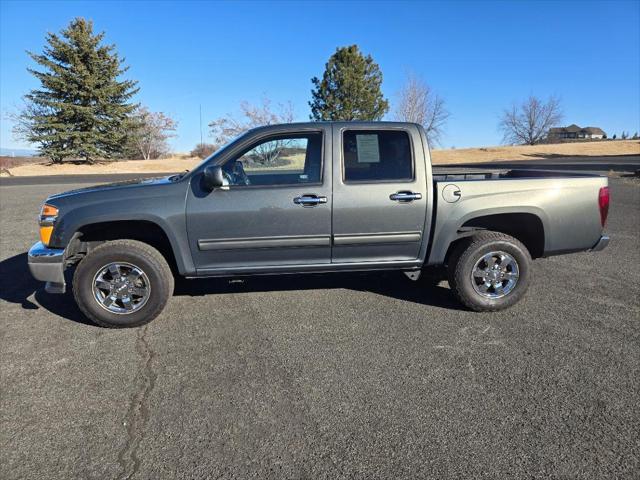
(440, 157)
(536, 152)
(7, 162)
(163, 165)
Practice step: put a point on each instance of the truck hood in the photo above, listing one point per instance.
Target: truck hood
(126, 184)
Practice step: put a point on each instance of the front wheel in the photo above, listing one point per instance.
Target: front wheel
(491, 271)
(122, 283)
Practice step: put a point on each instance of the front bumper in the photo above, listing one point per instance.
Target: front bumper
(47, 265)
(602, 243)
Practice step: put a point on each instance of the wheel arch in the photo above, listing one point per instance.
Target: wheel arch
(89, 235)
(526, 226)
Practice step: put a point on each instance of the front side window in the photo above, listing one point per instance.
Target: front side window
(376, 155)
(282, 160)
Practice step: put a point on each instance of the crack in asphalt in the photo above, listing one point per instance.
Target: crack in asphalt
(471, 337)
(138, 411)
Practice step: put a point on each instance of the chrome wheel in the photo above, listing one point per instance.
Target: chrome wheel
(495, 275)
(121, 288)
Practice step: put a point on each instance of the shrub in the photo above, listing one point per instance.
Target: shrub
(203, 150)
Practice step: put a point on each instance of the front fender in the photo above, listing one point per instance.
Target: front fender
(163, 207)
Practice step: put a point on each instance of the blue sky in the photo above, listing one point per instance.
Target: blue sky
(480, 56)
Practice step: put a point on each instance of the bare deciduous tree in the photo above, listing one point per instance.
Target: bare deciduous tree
(151, 130)
(228, 127)
(23, 128)
(418, 103)
(529, 122)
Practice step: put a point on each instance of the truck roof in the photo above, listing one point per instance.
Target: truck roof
(357, 123)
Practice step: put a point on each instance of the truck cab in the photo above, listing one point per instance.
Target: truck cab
(305, 197)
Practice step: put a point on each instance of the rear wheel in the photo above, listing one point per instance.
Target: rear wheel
(122, 283)
(491, 271)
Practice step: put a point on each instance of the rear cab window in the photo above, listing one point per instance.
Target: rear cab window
(376, 156)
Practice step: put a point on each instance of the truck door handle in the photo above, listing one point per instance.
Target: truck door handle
(309, 200)
(405, 196)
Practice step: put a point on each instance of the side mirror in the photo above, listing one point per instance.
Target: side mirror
(212, 178)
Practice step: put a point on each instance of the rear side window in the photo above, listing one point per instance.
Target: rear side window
(376, 155)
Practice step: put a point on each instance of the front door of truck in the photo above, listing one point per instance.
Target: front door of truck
(380, 196)
(276, 210)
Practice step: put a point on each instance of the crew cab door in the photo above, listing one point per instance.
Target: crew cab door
(380, 196)
(276, 210)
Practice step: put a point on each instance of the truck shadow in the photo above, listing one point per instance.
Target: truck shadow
(389, 284)
(19, 287)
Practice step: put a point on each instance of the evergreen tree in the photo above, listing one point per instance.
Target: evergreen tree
(349, 88)
(81, 110)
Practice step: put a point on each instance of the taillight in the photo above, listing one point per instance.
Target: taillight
(603, 203)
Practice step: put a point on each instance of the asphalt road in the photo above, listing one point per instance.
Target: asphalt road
(340, 376)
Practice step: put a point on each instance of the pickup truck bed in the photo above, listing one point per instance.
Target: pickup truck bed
(561, 208)
(447, 173)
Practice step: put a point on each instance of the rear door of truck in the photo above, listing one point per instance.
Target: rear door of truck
(380, 194)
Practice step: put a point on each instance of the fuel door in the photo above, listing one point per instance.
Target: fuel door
(451, 193)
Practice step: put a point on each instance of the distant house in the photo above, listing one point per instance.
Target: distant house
(576, 132)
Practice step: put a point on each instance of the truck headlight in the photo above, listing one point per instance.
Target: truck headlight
(48, 216)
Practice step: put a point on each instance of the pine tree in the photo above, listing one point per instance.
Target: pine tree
(81, 110)
(349, 88)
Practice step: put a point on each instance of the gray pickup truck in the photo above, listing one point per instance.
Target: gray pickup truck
(314, 197)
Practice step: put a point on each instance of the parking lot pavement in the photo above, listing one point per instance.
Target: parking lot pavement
(340, 376)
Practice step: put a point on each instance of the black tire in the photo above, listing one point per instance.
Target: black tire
(146, 258)
(464, 258)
